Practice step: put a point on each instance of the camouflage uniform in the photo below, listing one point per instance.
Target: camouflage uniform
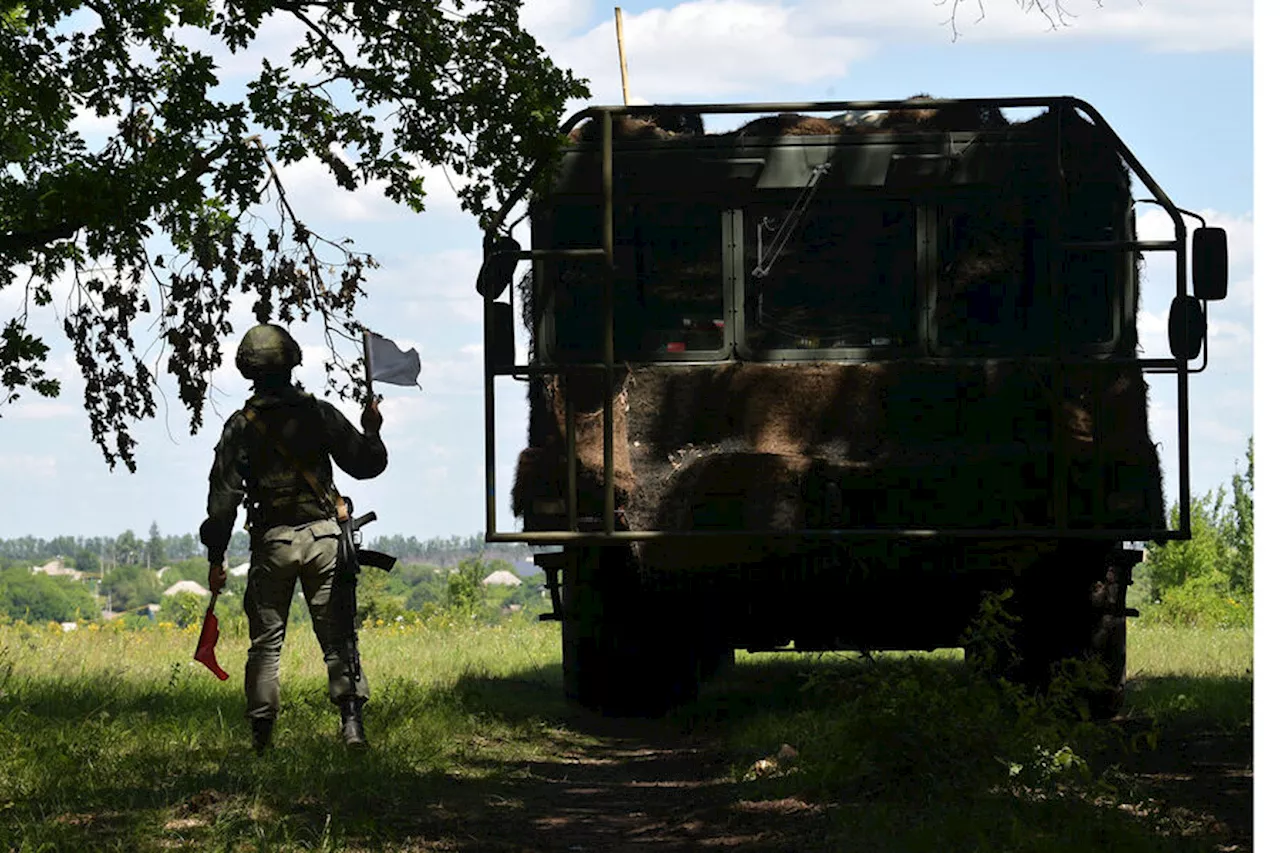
(293, 536)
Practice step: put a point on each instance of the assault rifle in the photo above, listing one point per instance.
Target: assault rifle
(350, 558)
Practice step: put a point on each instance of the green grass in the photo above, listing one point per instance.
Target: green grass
(118, 741)
(1191, 677)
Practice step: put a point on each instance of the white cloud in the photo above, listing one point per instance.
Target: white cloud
(1230, 342)
(277, 37)
(1154, 224)
(430, 288)
(702, 49)
(310, 189)
(463, 374)
(406, 410)
(1172, 25)
(312, 192)
(41, 409)
(546, 19)
(1231, 320)
(28, 465)
(706, 48)
(92, 126)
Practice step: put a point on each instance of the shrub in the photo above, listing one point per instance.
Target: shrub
(465, 592)
(1203, 602)
(1207, 580)
(183, 609)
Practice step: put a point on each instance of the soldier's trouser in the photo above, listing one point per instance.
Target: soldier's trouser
(281, 556)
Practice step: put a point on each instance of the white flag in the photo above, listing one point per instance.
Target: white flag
(386, 362)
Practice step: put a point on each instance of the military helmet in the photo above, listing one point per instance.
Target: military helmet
(266, 349)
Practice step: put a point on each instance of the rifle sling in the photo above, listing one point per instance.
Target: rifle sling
(338, 506)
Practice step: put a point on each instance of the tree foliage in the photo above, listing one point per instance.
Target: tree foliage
(155, 547)
(465, 590)
(159, 222)
(1204, 556)
(131, 587)
(1210, 576)
(35, 597)
(129, 549)
(1241, 532)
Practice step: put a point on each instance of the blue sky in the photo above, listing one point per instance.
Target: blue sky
(1174, 77)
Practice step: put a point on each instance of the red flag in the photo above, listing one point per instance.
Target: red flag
(209, 639)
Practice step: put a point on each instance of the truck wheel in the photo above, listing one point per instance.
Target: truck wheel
(624, 653)
(1064, 614)
(1108, 641)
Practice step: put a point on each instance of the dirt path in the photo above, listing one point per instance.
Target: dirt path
(641, 787)
(1205, 780)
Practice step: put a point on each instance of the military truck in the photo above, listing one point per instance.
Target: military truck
(826, 380)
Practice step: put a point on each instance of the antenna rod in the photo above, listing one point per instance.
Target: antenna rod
(622, 55)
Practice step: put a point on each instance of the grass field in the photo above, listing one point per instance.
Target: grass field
(118, 741)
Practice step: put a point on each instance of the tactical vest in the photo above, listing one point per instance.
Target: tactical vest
(276, 491)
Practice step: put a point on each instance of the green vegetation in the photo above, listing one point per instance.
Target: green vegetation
(921, 757)
(39, 598)
(183, 609)
(91, 553)
(113, 738)
(126, 574)
(130, 587)
(116, 740)
(1207, 580)
(192, 148)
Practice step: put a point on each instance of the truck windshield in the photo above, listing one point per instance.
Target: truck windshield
(668, 285)
(845, 278)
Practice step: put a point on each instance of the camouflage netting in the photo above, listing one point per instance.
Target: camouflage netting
(782, 447)
(777, 447)
(670, 125)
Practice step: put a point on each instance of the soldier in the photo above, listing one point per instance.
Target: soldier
(274, 455)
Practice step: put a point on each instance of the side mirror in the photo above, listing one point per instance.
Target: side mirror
(499, 265)
(1186, 327)
(1209, 263)
(500, 337)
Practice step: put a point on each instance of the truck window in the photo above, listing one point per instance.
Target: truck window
(668, 285)
(846, 278)
(993, 279)
(988, 250)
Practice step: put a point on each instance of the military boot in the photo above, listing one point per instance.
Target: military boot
(352, 723)
(261, 733)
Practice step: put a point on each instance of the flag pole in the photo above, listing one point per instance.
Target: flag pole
(368, 365)
(622, 55)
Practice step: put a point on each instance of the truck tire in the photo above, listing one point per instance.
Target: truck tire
(624, 652)
(1108, 640)
(1067, 610)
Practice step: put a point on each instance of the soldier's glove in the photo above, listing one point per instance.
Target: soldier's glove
(217, 576)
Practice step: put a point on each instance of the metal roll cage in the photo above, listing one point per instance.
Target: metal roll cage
(608, 532)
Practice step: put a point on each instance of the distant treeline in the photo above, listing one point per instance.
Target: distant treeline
(447, 551)
(91, 553)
